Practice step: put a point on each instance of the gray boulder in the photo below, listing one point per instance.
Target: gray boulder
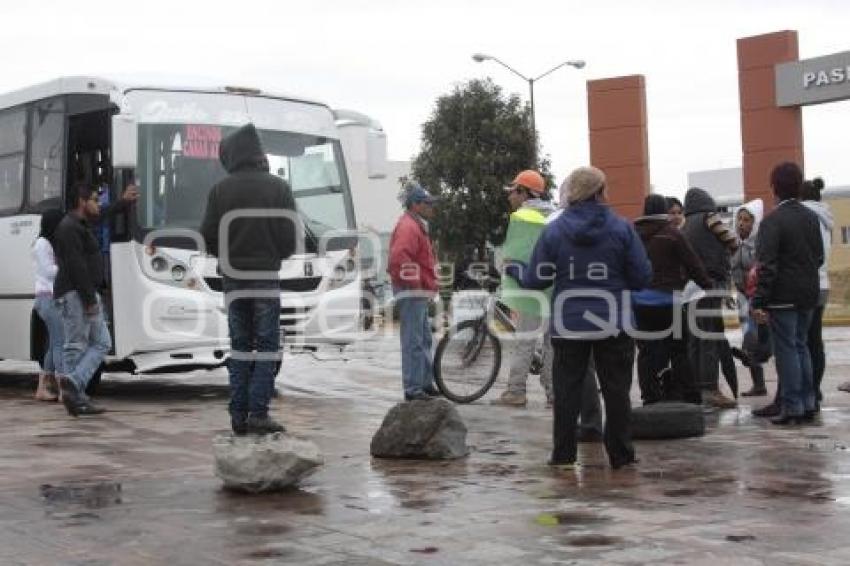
(256, 463)
(425, 430)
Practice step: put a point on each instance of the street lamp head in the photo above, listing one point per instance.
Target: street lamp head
(480, 57)
(579, 64)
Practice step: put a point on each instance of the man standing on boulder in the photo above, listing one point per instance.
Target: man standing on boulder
(414, 280)
(252, 211)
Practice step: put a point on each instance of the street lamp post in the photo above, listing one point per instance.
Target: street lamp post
(578, 64)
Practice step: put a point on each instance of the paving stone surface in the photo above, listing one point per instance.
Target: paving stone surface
(136, 486)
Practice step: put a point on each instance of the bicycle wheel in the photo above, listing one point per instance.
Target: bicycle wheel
(467, 361)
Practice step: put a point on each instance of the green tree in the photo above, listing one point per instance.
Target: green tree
(473, 144)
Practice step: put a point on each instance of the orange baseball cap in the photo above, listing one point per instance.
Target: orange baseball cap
(531, 180)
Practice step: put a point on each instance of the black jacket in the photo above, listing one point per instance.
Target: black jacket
(789, 252)
(673, 259)
(713, 253)
(79, 259)
(256, 244)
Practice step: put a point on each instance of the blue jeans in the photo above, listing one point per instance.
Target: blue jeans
(417, 371)
(87, 339)
(789, 330)
(253, 316)
(49, 312)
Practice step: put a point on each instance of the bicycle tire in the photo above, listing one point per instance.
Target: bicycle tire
(446, 383)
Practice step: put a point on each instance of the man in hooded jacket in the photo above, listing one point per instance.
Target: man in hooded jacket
(256, 245)
(713, 243)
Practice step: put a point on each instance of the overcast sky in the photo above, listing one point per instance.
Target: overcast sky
(391, 59)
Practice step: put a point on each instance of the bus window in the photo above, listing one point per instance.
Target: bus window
(47, 129)
(12, 144)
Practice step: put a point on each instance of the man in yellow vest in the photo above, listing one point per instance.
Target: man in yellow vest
(531, 204)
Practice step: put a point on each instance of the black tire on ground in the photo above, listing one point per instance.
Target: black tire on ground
(667, 420)
(466, 379)
(94, 382)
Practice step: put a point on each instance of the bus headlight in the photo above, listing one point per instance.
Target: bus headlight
(178, 273)
(159, 264)
(344, 273)
(165, 269)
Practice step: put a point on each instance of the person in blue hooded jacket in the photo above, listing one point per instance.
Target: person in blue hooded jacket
(595, 259)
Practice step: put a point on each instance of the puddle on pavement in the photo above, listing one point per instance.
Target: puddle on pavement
(693, 492)
(263, 529)
(740, 538)
(570, 518)
(419, 504)
(593, 540)
(815, 495)
(264, 553)
(496, 469)
(92, 495)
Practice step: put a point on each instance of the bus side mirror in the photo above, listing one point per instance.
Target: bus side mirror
(376, 153)
(125, 141)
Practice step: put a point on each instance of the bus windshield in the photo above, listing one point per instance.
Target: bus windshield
(179, 164)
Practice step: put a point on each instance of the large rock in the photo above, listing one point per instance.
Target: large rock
(426, 430)
(271, 462)
(667, 420)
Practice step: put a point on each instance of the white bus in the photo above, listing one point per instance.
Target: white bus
(166, 309)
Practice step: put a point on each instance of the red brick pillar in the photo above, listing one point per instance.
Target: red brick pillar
(769, 134)
(618, 139)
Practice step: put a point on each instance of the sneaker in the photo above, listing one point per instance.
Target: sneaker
(718, 400)
(845, 387)
(87, 408)
(620, 464)
(418, 396)
(755, 392)
(510, 399)
(262, 425)
(238, 424)
(564, 465)
(70, 394)
(771, 410)
(432, 391)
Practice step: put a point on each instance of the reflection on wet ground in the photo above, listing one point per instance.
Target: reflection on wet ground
(136, 486)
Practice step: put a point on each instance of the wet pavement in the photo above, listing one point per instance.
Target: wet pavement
(136, 486)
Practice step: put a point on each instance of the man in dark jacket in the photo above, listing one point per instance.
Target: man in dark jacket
(254, 213)
(789, 252)
(78, 282)
(713, 243)
(595, 258)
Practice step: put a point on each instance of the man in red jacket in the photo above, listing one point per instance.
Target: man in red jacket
(414, 280)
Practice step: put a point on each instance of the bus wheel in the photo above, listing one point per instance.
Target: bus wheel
(94, 382)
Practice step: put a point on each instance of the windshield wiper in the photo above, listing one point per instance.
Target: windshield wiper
(317, 191)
